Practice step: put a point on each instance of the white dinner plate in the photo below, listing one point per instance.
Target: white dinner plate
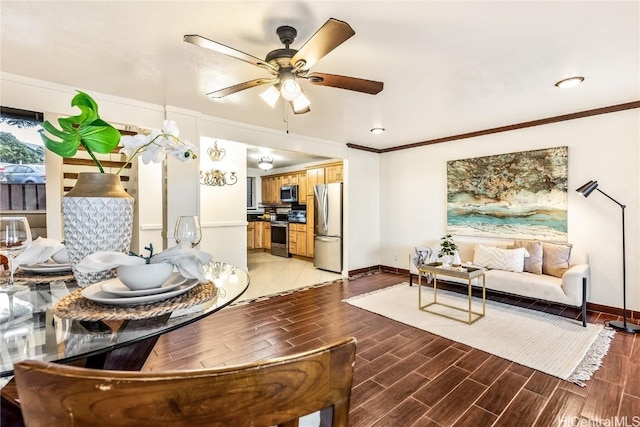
(95, 293)
(116, 287)
(47, 267)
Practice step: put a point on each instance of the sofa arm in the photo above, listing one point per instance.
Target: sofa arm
(572, 282)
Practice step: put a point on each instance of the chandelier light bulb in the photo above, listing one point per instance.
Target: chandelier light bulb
(290, 89)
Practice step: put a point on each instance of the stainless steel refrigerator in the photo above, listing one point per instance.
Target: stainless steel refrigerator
(327, 245)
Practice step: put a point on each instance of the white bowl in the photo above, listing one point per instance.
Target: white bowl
(61, 257)
(145, 276)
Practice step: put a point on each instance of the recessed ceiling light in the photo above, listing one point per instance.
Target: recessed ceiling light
(377, 131)
(570, 82)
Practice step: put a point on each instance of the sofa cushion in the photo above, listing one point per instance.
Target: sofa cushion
(538, 286)
(500, 259)
(555, 258)
(533, 263)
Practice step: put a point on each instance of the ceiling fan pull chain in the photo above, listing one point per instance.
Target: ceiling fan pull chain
(286, 117)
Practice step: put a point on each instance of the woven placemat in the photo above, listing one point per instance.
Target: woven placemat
(43, 278)
(75, 306)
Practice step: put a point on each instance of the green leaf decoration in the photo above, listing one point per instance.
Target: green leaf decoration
(86, 129)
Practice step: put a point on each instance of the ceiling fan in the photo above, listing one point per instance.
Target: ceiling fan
(287, 65)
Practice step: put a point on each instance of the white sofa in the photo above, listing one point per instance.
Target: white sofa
(570, 289)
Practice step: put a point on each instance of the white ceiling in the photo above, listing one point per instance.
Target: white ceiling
(448, 67)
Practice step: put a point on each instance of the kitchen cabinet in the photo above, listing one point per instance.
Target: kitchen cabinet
(298, 239)
(267, 235)
(302, 188)
(258, 235)
(309, 224)
(314, 176)
(251, 236)
(270, 189)
(291, 179)
(333, 173)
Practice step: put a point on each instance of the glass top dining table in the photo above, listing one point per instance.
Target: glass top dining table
(31, 329)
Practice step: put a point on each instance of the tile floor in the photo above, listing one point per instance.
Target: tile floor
(271, 274)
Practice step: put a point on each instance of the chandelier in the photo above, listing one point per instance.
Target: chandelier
(265, 163)
(217, 177)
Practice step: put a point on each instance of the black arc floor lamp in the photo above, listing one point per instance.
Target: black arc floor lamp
(585, 190)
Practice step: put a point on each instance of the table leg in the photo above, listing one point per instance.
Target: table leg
(469, 295)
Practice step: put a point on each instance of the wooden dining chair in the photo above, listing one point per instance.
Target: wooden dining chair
(274, 392)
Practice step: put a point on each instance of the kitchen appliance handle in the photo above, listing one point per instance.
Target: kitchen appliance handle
(327, 239)
(325, 196)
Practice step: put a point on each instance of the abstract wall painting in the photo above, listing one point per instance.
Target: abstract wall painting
(516, 195)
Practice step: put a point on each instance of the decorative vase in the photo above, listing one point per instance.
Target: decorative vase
(456, 261)
(446, 260)
(98, 216)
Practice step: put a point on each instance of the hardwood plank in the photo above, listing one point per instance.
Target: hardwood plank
(476, 417)
(630, 410)
(523, 410)
(490, 370)
(542, 384)
(562, 408)
(456, 403)
(603, 400)
(439, 363)
(405, 414)
(382, 403)
(501, 392)
(472, 360)
(398, 370)
(440, 386)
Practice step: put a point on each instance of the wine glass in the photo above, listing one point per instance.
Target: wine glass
(188, 231)
(15, 237)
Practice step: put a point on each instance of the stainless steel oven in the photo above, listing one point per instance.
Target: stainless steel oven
(280, 238)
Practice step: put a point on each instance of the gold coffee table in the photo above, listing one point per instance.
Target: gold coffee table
(468, 273)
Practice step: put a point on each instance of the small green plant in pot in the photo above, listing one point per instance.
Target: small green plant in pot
(448, 249)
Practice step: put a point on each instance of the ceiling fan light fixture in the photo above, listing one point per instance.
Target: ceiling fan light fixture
(290, 89)
(265, 163)
(270, 96)
(569, 82)
(301, 103)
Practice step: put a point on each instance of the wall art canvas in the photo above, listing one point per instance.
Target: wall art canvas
(516, 195)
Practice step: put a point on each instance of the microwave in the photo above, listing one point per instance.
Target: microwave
(289, 193)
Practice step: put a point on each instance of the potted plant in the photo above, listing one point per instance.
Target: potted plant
(448, 249)
(98, 213)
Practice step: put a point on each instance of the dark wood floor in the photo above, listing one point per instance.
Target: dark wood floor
(405, 376)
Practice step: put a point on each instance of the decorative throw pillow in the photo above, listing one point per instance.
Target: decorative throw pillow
(533, 263)
(555, 258)
(482, 255)
(500, 259)
(509, 259)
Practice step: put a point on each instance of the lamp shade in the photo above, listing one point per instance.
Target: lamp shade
(587, 188)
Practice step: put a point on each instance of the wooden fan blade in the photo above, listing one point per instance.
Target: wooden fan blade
(241, 86)
(331, 35)
(226, 50)
(343, 82)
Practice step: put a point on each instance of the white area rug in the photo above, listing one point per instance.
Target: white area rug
(552, 344)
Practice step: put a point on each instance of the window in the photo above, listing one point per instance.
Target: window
(251, 192)
(22, 170)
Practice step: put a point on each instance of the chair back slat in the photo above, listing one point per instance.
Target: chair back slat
(268, 393)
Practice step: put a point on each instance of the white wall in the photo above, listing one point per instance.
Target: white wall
(603, 148)
(223, 209)
(362, 209)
